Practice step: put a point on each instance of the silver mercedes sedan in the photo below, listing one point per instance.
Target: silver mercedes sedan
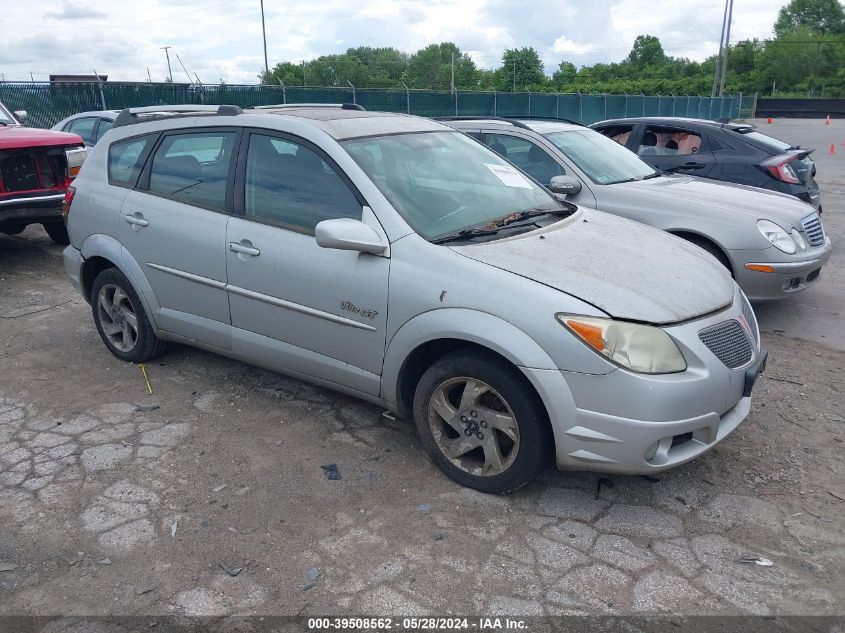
(773, 244)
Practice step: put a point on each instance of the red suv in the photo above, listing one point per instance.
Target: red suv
(36, 168)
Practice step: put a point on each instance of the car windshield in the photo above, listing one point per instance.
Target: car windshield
(6, 117)
(444, 182)
(603, 160)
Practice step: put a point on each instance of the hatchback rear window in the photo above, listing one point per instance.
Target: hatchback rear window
(126, 159)
(766, 141)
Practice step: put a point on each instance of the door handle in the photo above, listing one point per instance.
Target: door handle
(244, 247)
(136, 220)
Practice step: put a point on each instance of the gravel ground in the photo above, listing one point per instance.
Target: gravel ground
(109, 508)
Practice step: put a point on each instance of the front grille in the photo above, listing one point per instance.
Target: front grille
(18, 172)
(813, 229)
(728, 342)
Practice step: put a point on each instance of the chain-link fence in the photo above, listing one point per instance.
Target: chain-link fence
(48, 103)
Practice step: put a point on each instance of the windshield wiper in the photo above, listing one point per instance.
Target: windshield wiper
(656, 174)
(510, 221)
(616, 182)
(464, 234)
(519, 216)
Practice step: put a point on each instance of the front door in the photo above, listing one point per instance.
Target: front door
(296, 306)
(174, 226)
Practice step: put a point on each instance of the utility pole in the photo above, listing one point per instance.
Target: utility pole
(149, 77)
(727, 48)
(719, 58)
(452, 82)
(264, 35)
(166, 50)
(514, 74)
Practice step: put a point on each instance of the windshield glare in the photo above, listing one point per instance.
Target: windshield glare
(443, 182)
(6, 117)
(603, 160)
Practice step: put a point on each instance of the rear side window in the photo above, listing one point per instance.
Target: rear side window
(105, 126)
(126, 159)
(84, 127)
(619, 133)
(193, 168)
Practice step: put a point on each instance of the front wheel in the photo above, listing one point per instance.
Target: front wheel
(481, 422)
(121, 320)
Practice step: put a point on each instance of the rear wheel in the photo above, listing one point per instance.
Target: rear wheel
(121, 320)
(57, 232)
(480, 422)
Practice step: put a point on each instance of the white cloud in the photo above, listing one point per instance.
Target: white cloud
(222, 39)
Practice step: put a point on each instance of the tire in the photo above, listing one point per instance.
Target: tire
(496, 391)
(714, 250)
(13, 229)
(116, 306)
(57, 232)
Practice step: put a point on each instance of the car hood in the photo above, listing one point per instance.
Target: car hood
(626, 269)
(710, 196)
(14, 137)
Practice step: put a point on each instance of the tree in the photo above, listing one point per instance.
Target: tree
(647, 51)
(288, 72)
(431, 67)
(522, 69)
(564, 74)
(825, 17)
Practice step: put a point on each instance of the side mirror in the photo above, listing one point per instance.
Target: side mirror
(566, 185)
(347, 234)
(21, 116)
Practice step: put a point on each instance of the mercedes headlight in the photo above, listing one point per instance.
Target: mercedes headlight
(779, 238)
(641, 348)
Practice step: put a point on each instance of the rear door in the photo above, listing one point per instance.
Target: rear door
(174, 226)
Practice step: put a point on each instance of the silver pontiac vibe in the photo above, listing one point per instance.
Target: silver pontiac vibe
(395, 259)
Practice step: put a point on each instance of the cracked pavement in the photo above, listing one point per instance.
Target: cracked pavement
(107, 508)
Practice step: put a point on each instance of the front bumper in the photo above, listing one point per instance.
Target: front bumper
(629, 423)
(787, 277)
(31, 208)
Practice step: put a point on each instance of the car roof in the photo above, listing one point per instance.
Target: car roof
(540, 126)
(340, 121)
(668, 120)
(112, 113)
(344, 124)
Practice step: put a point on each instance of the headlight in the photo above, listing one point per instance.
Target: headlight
(777, 236)
(640, 348)
(798, 239)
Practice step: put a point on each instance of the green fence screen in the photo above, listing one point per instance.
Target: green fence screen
(48, 103)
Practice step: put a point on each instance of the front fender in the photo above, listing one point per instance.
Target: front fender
(493, 333)
(100, 245)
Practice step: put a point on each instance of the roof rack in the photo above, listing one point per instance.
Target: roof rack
(279, 106)
(152, 113)
(551, 118)
(513, 122)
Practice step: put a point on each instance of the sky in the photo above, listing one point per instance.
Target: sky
(221, 39)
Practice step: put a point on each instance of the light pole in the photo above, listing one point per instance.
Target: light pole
(264, 35)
